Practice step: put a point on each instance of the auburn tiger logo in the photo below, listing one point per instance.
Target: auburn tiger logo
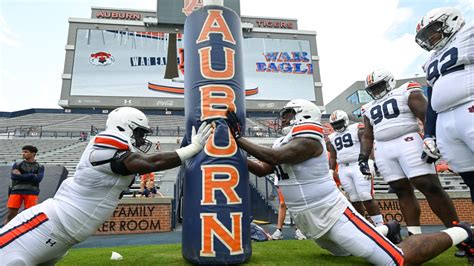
(101, 59)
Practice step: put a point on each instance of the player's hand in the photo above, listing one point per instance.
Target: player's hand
(364, 164)
(16, 172)
(430, 150)
(200, 138)
(234, 124)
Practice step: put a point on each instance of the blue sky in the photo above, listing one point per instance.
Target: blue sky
(366, 34)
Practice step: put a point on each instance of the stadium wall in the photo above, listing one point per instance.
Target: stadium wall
(139, 216)
(390, 208)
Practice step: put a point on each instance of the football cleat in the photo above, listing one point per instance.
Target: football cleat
(460, 253)
(394, 234)
(468, 244)
(277, 235)
(299, 235)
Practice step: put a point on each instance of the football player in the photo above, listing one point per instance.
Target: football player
(344, 150)
(44, 233)
(320, 210)
(449, 72)
(391, 119)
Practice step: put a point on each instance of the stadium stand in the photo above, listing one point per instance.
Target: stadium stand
(63, 147)
(70, 125)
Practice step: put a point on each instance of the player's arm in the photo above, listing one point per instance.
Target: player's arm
(128, 162)
(333, 162)
(366, 139)
(366, 145)
(137, 163)
(303, 146)
(332, 156)
(259, 168)
(418, 105)
(296, 151)
(430, 149)
(430, 117)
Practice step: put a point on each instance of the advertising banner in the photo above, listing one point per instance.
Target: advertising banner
(135, 64)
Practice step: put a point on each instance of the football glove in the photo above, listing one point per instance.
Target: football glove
(364, 164)
(430, 150)
(234, 124)
(198, 141)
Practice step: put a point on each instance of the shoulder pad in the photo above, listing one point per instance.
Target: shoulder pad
(413, 85)
(111, 140)
(308, 130)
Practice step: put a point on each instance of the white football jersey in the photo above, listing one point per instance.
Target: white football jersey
(347, 144)
(308, 184)
(450, 72)
(391, 116)
(86, 200)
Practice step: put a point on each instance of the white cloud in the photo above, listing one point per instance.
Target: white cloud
(7, 37)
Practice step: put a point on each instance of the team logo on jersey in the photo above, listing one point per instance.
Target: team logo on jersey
(101, 59)
(190, 5)
(471, 109)
(407, 139)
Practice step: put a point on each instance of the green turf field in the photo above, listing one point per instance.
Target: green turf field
(288, 252)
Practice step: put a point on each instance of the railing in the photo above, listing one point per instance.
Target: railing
(268, 192)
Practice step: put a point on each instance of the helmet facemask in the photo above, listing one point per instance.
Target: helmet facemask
(339, 125)
(379, 89)
(139, 140)
(434, 35)
(287, 116)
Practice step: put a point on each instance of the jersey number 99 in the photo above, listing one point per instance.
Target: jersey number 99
(343, 142)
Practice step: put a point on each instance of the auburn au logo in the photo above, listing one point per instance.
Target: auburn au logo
(190, 5)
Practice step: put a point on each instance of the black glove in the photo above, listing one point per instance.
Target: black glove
(234, 124)
(364, 164)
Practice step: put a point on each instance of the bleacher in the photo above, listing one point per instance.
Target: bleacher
(67, 153)
(11, 148)
(63, 122)
(71, 124)
(37, 120)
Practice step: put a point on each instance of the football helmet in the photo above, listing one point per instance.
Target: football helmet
(436, 28)
(298, 110)
(132, 123)
(339, 120)
(379, 82)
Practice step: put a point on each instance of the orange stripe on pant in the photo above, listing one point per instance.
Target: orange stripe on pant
(10, 235)
(382, 242)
